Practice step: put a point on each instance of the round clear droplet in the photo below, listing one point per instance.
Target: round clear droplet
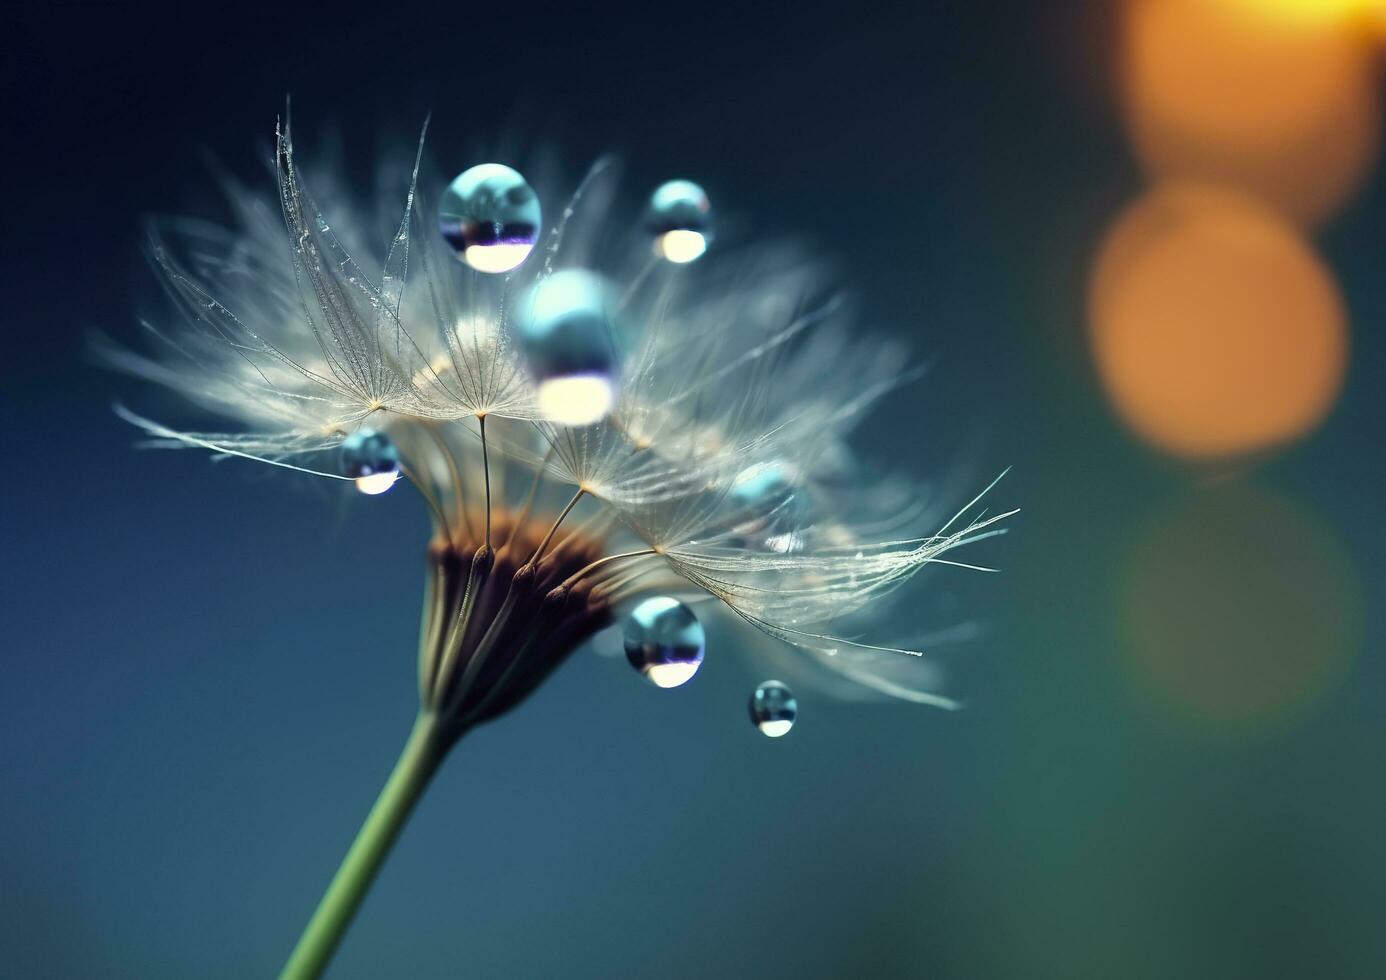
(370, 458)
(773, 709)
(664, 641)
(490, 216)
(679, 216)
(565, 332)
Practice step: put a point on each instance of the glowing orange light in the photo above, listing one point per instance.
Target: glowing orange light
(1240, 612)
(1239, 92)
(1216, 330)
(1316, 11)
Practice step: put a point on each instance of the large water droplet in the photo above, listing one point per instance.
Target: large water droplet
(370, 458)
(490, 217)
(564, 329)
(680, 217)
(664, 641)
(773, 709)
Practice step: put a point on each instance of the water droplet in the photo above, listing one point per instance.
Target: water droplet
(772, 509)
(664, 641)
(490, 217)
(565, 332)
(773, 709)
(371, 459)
(680, 217)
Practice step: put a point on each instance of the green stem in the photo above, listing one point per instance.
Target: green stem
(416, 766)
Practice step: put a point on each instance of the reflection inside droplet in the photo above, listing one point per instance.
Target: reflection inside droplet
(680, 246)
(670, 675)
(773, 709)
(680, 217)
(501, 257)
(490, 216)
(369, 458)
(664, 641)
(376, 483)
(565, 332)
(770, 508)
(583, 399)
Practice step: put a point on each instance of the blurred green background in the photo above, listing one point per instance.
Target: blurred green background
(1170, 765)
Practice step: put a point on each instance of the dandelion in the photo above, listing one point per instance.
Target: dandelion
(595, 429)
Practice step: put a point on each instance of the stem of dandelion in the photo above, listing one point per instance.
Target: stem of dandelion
(486, 468)
(553, 530)
(416, 766)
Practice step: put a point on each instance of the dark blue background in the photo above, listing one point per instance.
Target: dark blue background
(208, 669)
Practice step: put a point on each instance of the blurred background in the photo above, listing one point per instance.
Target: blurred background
(1143, 242)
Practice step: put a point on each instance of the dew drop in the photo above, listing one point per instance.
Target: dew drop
(664, 641)
(490, 216)
(773, 709)
(772, 509)
(370, 458)
(564, 329)
(680, 217)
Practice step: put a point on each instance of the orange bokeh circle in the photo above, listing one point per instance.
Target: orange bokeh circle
(1239, 93)
(1216, 330)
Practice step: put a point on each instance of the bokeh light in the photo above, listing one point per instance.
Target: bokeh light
(1239, 92)
(1216, 330)
(1240, 611)
(1353, 12)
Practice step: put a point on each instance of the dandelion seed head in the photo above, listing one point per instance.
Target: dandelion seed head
(591, 427)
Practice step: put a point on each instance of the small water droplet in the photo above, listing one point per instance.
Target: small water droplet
(565, 332)
(773, 709)
(680, 217)
(370, 458)
(490, 216)
(772, 508)
(664, 641)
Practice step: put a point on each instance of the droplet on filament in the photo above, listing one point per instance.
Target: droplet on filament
(490, 216)
(369, 457)
(565, 332)
(680, 217)
(664, 641)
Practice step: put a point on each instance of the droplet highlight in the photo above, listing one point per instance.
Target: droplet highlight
(773, 709)
(679, 216)
(369, 457)
(664, 641)
(491, 217)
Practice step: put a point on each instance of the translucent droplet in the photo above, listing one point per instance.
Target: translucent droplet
(370, 458)
(490, 217)
(680, 217)
(773, 709)
(664, 641)
(564, 329)
(772, 508)
(763, 484)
